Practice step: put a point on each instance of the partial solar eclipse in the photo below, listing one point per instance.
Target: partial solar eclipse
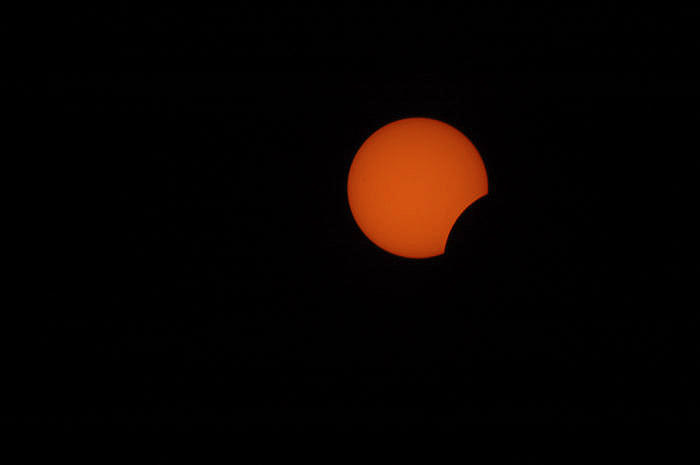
(410, 181)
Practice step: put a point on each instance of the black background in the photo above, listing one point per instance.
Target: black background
(204, 271)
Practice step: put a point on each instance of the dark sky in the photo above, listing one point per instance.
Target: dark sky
(195, 233)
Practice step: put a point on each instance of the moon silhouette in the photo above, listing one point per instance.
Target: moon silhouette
(410, 181)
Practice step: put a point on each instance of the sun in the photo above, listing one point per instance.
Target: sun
(410, 181)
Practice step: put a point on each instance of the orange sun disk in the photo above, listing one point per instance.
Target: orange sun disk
(410, 181)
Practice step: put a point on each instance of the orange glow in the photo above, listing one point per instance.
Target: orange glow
(410, 181)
